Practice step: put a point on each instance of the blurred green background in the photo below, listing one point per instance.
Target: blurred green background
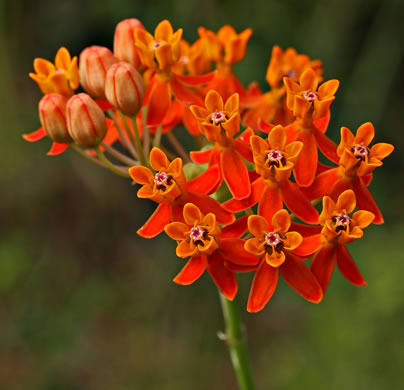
(87, 304)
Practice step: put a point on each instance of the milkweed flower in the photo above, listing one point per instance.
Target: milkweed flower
(270, 107)
(357, 161)
(62, 77)
(220, 122)
(273, 245)
(274, 159)
(158, 55)
(339, 229)
(169, 187)
(308, 104)
(209, 248)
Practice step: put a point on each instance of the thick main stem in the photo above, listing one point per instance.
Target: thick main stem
(236, 342)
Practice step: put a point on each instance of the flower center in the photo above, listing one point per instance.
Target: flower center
(310, 96)
(162, 180)
(184, 59)
(360, 152)
(290, 73)
(275, 157)
(273, 242)
(157, 44)
(341, 221)
(218, 117)
(197, 234)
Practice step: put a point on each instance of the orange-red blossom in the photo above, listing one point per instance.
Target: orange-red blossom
(273, 245)
(169, 187)
(209, 247)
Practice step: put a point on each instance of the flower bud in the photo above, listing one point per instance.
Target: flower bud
(124, 41)
(85, 120)
(125, 88)
(94, 64)
(52, 113)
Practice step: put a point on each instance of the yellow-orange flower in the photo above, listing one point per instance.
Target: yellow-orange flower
(304, 99)
(160, 51)
(62, 77)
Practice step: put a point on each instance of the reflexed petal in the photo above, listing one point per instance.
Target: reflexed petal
(363, 218)
(205, 183)
(35, 136)
(293, 240)
(209, 205)
(192, 271)
(201, 157)
(156, 223)
(196, 80)
(257, 225)
(176, 230)
(213, 101)
(327, 146)
(348, 267)
(185, 94)
(263, 287)
(310, 245)
(239, 268)
(346, 201)
(159, 103)
(235, 174)
(281, 221)
(323, 265)
(365, 134)
(57, 149)
(365, 200)
(224, 279)
(236, 205)
(233, 250)
(298, 204)
(270, 203)
(141, 174)
(236, 229)
(305, 168)
(158, 160)
(192, 214)
(298, 276)
(322, 184)
(277, 138)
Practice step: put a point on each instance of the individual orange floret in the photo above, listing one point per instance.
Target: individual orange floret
(356, 164)
(274, 160)
(339, 229)
(270, 107)
(220, 122)
(62, 77)
(273, 244)
(209, 247)
(167, 186)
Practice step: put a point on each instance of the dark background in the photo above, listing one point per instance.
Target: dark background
(87, 304)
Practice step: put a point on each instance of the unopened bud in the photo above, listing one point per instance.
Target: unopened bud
(85, 120)
(94, 64)
(52, 113)
(124, 41)
(125, 88)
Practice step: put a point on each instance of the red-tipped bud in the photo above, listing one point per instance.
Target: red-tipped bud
(125, 88)
(124, 41)
(85, 120)
(94, 64)
(52, 113)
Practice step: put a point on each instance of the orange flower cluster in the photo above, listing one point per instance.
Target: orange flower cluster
(231, 201)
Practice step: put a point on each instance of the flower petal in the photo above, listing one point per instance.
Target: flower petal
(323, 265)
(306, 165)
(298, 276)
(270, 203)
(235, 173)
(35, 136)
(57, 149)
(310, 245)
(192, 271)
(158, 103)
(224, 279)
(201, 157)
(327, 146)
(348, 267)
(263, 287)
(206, 183)
(236, 229)
(156, 223)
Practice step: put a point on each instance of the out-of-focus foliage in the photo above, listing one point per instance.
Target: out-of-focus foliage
(86, 304)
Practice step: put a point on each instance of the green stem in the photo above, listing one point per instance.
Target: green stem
(157, 136)
(119, 156)
(236, 342)
(138, 143)
(113, 168)
(178, 147)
